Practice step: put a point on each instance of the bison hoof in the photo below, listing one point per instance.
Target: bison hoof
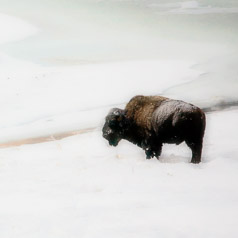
(148, 157)
(195, 161)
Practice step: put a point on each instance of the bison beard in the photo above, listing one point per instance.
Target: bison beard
(150, 121)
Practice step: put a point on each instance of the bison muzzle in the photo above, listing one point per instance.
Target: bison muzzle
(151, 121)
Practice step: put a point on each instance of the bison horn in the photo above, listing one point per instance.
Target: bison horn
(116, 111)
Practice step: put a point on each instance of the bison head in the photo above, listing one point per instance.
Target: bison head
(114, 126)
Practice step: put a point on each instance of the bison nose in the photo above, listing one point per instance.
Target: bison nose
(107, 132)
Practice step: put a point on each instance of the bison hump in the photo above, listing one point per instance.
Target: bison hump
(140, 109)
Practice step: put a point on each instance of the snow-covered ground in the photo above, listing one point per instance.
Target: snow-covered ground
(73, 184)
(81, 187)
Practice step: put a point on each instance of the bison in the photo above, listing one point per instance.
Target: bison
(151, 121)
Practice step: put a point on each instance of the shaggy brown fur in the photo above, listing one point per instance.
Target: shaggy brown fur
(140, 109)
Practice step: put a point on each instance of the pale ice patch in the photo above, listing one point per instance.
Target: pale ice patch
(190, 7)
(184, 5)
(189, 4)
(193, 7)
(13, 28)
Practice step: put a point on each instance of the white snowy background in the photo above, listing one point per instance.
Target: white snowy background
(58, 176)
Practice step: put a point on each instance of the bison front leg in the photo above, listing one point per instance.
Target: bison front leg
(149, 153)
(153, 151)
(147, 148)
(157, 151)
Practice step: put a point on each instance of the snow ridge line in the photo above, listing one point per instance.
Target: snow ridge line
(48, 138)
(220, 106)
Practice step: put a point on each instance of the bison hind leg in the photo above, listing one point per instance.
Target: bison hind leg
(196, 148)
